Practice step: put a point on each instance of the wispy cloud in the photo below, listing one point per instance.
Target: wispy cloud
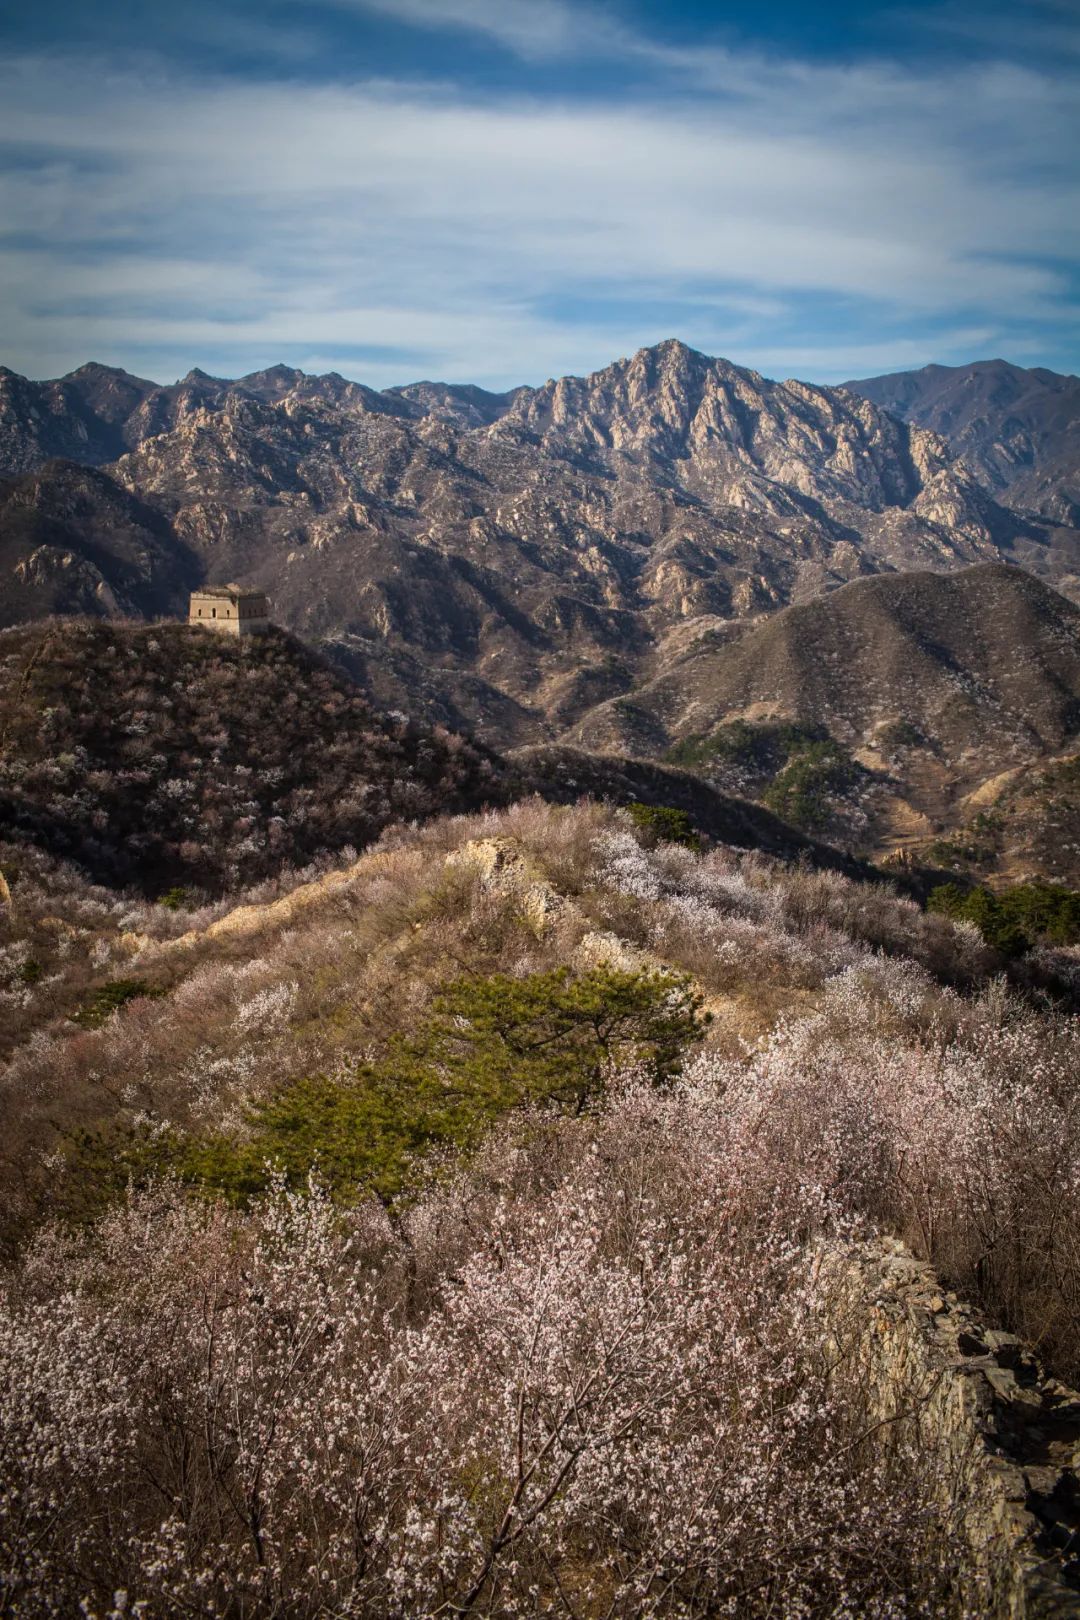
(532, 28)
(836, 215)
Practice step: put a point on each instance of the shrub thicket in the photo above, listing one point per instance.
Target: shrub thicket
(761, 747)
(602, 1374)
(798, 770)
(594, 1364)
(490, 1045)
(664, 823)
(801, 792)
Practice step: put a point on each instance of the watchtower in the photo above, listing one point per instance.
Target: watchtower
(232, 609)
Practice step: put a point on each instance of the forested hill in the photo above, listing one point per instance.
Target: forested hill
(163, 756)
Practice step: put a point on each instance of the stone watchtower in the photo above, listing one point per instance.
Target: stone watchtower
(232, 609)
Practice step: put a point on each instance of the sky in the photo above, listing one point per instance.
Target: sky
(502, 191)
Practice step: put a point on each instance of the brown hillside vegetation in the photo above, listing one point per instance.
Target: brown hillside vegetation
(162, 757)
(1023, 823)
(165, 756)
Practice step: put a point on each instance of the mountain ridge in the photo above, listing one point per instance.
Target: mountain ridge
(1017, 429)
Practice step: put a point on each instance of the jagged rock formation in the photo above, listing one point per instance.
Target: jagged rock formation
(1017, 430)
(98, 412)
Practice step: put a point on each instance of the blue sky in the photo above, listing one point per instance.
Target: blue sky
(500, 191)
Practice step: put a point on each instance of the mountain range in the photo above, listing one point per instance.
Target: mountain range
(629, 560)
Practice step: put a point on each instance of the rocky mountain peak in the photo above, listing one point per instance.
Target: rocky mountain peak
(723, 431)
(97, 369)
(657, 403)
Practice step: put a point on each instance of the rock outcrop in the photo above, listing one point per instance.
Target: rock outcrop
(1017, 430)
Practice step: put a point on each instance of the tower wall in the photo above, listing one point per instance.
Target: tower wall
(230, 616)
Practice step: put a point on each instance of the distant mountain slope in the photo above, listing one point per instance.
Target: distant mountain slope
(1018, 430)
(929, 684)
(985, 663)
(82, 417)
(72, 540)
(461, 403)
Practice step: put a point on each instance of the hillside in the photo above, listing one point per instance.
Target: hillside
(73, 541)
(911, 691)
(503, 563)
(1017, 430)
(165, 757)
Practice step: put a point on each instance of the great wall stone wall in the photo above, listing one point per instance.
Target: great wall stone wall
(1009, 1433)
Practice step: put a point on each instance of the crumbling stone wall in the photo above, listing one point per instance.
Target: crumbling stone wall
(1010, 1433)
